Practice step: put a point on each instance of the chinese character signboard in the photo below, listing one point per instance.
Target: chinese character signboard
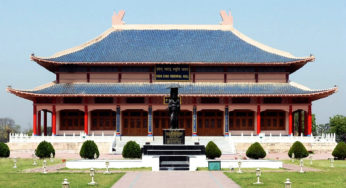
(172, 72)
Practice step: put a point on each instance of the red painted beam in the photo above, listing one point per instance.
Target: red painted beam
(290, 124)
(309, 120)
(34, 123)
(86, 119)
(54, 121)
(258, 119)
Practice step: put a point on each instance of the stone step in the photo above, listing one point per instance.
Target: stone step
(174, 168)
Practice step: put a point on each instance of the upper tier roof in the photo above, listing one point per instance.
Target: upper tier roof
(147, 44)
(187, 89)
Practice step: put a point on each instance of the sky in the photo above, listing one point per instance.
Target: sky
(301, 27)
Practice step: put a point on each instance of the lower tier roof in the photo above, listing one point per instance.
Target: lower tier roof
(161, 89)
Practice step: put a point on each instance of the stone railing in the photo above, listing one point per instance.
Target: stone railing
(20, 137)
(282, 139)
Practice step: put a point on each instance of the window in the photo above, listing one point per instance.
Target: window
(72, 100)
(210, 100)
(133, 100)
(272, 100)
(103, 100)
(241, 100)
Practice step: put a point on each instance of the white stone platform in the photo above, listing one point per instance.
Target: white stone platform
(227, 144)
(153, 162)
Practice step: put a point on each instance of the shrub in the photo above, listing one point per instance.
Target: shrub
(255, 151)
(44, 149)
(88, 150)
(299, 150)
(340, 151)
(4, 150)
(132, 150)
(212, 151)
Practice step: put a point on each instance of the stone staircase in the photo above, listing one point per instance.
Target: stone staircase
(224, 143)
(173, 157)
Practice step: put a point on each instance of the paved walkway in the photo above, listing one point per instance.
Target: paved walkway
(174, 179)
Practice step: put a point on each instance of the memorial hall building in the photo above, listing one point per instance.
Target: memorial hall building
(118, 83)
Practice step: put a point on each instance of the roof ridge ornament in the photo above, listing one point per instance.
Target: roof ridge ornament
(226, 19)
(117, 19)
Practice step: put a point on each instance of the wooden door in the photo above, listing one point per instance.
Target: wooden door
(134, 123)
(71, 120)
(210, 123)
(185, 122)
(241, 120)
(103, 120)
(160, 121)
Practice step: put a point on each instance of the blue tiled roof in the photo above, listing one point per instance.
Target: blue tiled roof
(186, 88)
(172, 46)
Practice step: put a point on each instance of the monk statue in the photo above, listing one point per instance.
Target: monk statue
(174, 108)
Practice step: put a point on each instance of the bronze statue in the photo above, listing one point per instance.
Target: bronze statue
(174, 108)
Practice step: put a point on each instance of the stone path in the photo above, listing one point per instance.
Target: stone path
(174, 179)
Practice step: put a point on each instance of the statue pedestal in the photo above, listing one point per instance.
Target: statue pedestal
(173, 136)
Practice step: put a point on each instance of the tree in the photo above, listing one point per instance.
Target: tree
(7, 125)
(338, 126)
(322, 129)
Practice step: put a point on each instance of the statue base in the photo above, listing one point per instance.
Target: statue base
(173, 136)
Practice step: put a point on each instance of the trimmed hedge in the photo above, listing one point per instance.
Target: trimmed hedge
(88, 150)
(132, 150)
(340, 151)
(44, 149)
(299, 150)
(256, 151)
(212, 151)
(4, 150)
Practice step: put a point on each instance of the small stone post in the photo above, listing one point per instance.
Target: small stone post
(51, 157)
(292, 157)
(15, 162)
(92, 174)
(310, 159)
(65, 184)
(301, 164)
(332, 162)
(258, 174)
(44, 167)
(239, 166)
(107, 168)
(287, 183)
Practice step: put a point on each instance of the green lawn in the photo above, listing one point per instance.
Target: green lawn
(328, 177)
(10, 177)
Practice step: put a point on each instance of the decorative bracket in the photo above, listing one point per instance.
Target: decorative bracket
(226, 19)
(117, 19)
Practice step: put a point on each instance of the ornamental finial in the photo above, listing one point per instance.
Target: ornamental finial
(117, 19)
(226, 19)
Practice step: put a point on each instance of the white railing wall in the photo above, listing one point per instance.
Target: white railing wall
(20, 137)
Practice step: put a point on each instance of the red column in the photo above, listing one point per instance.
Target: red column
(290, 120)
(39, 123)
(34, 123)
(45, 123)
(299, 123)
(86, 119)
(309, 120)
(258, 119)
(54, 121)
